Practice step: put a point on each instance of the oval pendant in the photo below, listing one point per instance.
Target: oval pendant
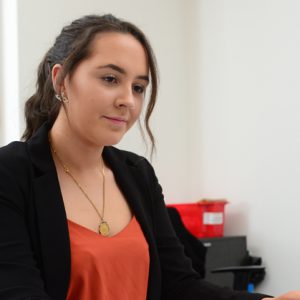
(104, 228)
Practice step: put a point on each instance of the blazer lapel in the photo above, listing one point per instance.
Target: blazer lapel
(134, 189)
(132, 184)
(51, 217)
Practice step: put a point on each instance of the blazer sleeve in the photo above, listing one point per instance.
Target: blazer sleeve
(179, 280)
(19, 275)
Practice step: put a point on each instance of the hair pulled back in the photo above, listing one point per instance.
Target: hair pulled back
(70, 48)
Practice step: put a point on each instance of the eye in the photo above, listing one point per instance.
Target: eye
(138, 88)
(110, 79)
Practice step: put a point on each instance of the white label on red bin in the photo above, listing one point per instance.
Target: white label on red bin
(211, 218)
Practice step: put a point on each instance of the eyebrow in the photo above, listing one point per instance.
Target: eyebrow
(122, 71)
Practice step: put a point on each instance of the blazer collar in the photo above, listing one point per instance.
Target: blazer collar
(51, 216)
(39, 150)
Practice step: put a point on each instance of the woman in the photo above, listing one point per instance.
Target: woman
(193, 247)
(79, 218)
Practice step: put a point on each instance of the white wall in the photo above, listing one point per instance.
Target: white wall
(1, 77)
(227, 121)
(246, 129)
(10, 119)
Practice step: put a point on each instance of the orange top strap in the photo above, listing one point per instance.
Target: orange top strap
(108, 268)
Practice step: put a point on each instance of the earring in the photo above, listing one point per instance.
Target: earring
(58, 97)
(62, 97)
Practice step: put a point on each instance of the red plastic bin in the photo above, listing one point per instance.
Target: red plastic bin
(204, 218)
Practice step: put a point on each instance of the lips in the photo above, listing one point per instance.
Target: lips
(116, 120)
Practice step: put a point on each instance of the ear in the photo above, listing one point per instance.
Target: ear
(56, 78)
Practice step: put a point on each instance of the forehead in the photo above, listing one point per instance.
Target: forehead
(121, 49)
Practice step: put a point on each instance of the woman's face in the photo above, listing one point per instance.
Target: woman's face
(107, 89)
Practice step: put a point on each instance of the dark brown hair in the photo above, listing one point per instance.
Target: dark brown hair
(70, 48)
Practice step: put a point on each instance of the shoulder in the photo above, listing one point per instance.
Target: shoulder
(15, 174)
(13, 154)
(14, 161)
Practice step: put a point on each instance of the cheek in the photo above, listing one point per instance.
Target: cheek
(91, 100)
(137, 112)
(84, 90)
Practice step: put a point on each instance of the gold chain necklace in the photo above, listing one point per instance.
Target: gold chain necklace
(103, 226)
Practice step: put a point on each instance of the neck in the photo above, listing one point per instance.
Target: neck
(75, 152)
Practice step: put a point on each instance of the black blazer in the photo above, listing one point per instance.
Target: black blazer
(193, 247)
(34, 239)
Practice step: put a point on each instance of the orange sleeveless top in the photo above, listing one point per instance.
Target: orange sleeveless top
(108, 268)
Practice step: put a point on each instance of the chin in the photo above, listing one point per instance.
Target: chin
(113, 141)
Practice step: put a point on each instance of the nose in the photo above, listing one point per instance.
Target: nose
(126, 98)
